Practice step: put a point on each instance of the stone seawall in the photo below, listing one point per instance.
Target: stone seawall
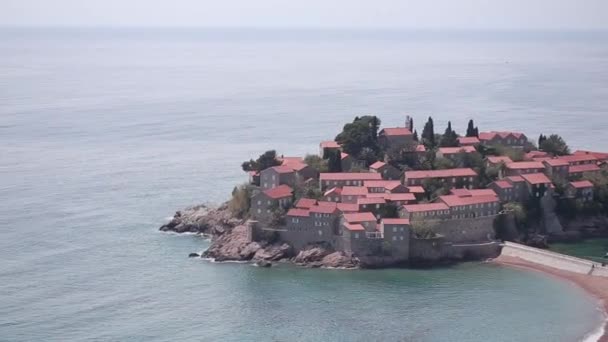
(554, 260)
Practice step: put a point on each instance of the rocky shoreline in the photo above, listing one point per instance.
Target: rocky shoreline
(229, 241)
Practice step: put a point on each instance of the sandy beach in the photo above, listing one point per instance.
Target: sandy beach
(597, 286)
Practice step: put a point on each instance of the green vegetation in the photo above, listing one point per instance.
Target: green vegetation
(360, 138)
(240, 202)
(554, 145)
(423, 229)
(334, 161)
(594, 249)
(389, 211)
(449, 137)
(472, 130)
(428, 134)
(316, 162)
(264, 161)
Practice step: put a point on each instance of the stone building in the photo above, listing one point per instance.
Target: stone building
(468, 141)
(509, 139)
(350, 194)
(326, 147)
(333, 195)
(455, 154)
(557, 169)
(460, 177)
(396, 137)
(504, 190)
(581, 190)
(425, 211)
(524, 167)
(538, 184)
(496, 161)
(263, 202)
(341, 179)
(274, 176)
(388, 171)
(579, 170)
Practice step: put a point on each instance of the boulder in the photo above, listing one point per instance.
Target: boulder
(230, 245)
(194, 255)
(263, 263)
(310, 255)
(202, 219)
(274, 252)
(340, 260)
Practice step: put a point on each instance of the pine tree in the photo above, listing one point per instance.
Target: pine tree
(471, 129)
(541, 139)
(411, 123)
(449, 138)
(428, 134)
(415, 135)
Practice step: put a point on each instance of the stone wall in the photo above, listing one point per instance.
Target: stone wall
(427, 249)
(466, 230)
(555, 260)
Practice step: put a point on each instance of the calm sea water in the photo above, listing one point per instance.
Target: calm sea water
(103, 134)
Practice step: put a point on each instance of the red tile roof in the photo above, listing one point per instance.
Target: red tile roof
(280, 191)
(415, 189)
(468, 140)
(359, 217)
(583, 168)
(420, 148)
(344, 155)
(333, 190)
(354, 191)
(370, 200)
(324, 209)
(280, 169)
(541, 159)
(414, 208)
(388, 184)
(503, 184)
(598, 155)
(536, 178)
(396, 221)
(524, 165)
(515, 179)
(343, 176)
(581, 184)
(472, 192)
(573, 158)
(396, 131)
(499, 159)
(556, 162)
(454, 201)
(377, 165)
(456, 150)
(298, 212)
(326, 204)
(535, 154)
(462, 172)
(348, 207)
(401, 197)
(305, 203)
(491, 135)
(353, 227)
(329, 144)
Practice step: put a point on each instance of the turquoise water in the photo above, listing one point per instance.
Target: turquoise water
(592, 249)
(103, 134)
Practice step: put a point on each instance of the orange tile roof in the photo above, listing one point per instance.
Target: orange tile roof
(462, 172)
(525, 165)
(492, 134)
(535, 154)
(343, 176)
(396, 131)
(401, 197)
(583, 168)
(298, 212)
(414, 208)
(377, 165)
(306, 203)
(281, 169)
(359, 217)
(326, 204)
(354, 191)
(353, 227)
(280, 191)
(335, 190)
(329, 144)
(472, 192)
(581, 184)
(456, 150)
(454, 200)
(515, 179)
(536, 178)
(396, 221)
(499, 159)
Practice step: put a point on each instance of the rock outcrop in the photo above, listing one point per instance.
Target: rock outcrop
(202, 219)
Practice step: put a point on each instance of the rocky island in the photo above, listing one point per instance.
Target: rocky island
(383, 197)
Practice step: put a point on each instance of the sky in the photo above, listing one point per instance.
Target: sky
(409, 14)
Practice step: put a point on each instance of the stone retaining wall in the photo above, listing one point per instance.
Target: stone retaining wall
(555, 260)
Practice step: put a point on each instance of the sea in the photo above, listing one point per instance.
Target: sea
(106, 132)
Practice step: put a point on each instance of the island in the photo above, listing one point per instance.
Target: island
(388, 197)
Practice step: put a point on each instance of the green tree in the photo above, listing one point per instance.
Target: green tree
(415, 135)
(389, 211)
(449, 138)
(316, 162)
(411, 123)
(361, 133)
(472, 131)
(428, 134)
(554, 144)
(240, 202)
(334, 162)
(264, 161)
(541, 138)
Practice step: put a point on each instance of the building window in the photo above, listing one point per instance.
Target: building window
(259, 211)
(259, 202)
(320, 233)
(394, 229)
(401, 238)
(356, 235)
(394, 238)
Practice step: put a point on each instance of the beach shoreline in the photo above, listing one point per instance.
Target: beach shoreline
(596, 286)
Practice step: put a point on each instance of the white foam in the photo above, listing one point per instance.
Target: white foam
(598, 332)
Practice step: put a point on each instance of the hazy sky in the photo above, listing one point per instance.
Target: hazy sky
(436, 14)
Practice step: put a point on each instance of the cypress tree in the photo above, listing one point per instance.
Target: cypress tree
(428, 133)
(411, 123)
(415, 135)
(471, 129)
